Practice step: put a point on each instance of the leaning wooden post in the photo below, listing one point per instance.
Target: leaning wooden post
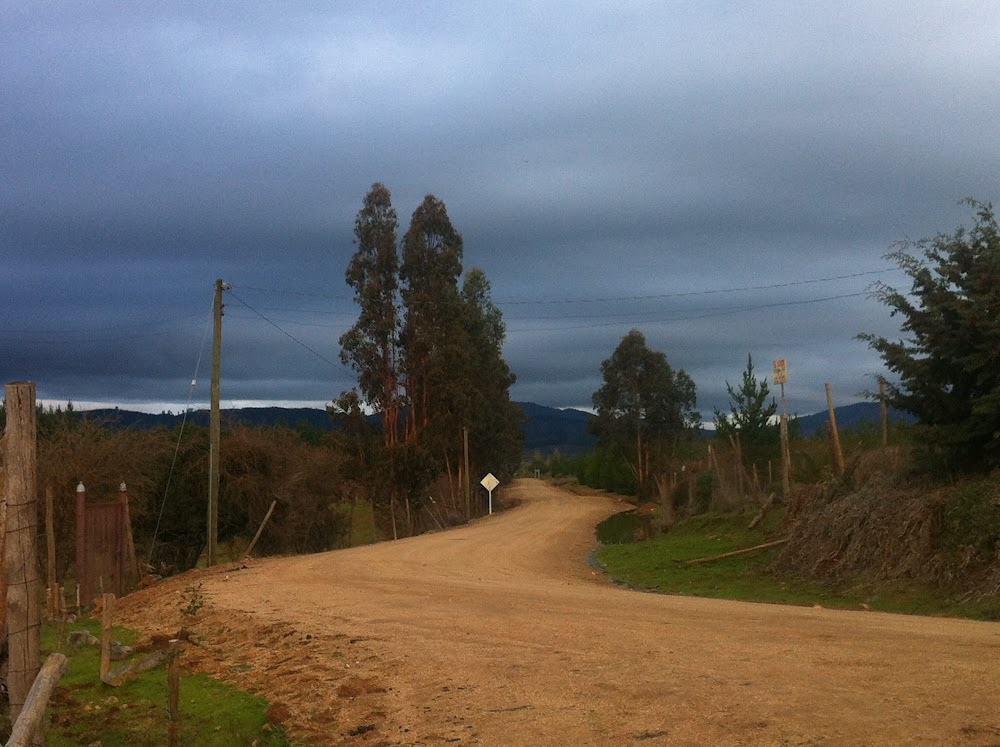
(838, 454)
(26, 729)
(133, 560)
(107, 614)
(20, 465)
(883, 412)
(260, 530)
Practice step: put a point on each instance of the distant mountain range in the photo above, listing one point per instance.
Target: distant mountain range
(546, 429)
(849, 416)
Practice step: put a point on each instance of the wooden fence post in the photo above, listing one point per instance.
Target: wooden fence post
(3, 546)
(173, 695)
(106, 619)
(82, 585)
(20, 465)
(50, 537)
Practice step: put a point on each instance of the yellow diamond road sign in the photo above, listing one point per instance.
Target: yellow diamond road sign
(489, 482)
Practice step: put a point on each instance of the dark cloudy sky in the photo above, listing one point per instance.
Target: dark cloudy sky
(706, 172)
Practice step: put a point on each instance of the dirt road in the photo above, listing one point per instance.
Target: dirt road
(499, 633)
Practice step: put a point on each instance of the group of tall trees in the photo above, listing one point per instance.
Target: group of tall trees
(427, 348)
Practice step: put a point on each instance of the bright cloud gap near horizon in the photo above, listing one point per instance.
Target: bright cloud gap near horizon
(592, 156)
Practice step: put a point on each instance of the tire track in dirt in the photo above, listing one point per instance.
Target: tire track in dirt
(499, 633)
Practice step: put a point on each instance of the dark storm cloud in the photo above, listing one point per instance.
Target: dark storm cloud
(586, 151)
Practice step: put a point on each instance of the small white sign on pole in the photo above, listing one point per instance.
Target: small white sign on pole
(490, 482)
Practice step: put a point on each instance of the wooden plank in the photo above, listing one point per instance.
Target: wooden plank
(734, 553)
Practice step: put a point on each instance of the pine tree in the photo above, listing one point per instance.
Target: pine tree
(948, 365)
(750, 416)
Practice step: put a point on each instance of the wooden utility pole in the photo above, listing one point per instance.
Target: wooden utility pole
(215, 428)
(20, 465)
(838, 453)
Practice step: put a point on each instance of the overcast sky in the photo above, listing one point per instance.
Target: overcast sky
(725, 177)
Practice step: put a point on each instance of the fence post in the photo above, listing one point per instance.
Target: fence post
(20, 455)
(106, 619)
(173, 695)
(50, 537)
(82, 587)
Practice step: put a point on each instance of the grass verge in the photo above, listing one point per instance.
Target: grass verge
(660, 565)
(84, 711)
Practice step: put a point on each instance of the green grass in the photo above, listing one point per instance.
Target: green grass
(84, 711)
(660, 565)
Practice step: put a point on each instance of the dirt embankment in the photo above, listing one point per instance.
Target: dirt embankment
(499, 633)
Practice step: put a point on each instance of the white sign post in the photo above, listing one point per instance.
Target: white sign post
(781, 377)
(490, 482)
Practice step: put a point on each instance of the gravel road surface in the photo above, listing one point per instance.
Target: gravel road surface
(500, 633)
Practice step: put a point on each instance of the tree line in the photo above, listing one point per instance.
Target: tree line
(945, 371)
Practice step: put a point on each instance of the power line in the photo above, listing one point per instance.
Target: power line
(651, 316)
(180, 435)
(713, 291)
(695, 317)
(609, 299)
(289, 334)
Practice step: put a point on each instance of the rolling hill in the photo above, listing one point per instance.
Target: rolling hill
(546, 429)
